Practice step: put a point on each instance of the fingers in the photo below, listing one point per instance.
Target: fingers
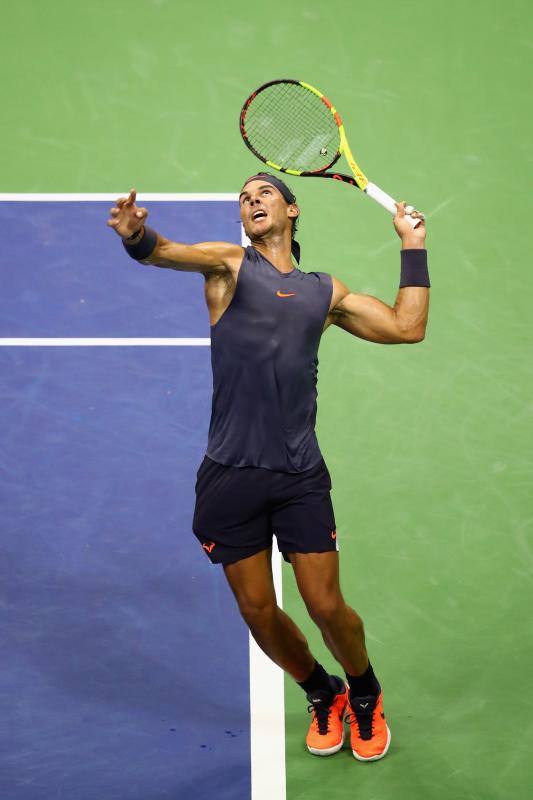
(141, 212)
(404, 210)
(129, 200)
(124, 211)
(401, 208)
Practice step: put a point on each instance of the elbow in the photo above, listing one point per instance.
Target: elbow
(413, 335)
(411, 328)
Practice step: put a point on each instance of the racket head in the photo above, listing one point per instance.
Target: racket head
(291, 127)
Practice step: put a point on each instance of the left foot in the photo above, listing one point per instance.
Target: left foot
(370, 736)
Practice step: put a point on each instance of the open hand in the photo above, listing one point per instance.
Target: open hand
(126, 218)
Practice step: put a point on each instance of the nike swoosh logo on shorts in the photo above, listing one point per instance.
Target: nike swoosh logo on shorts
(209, 546)
(283, 294)
(333, 534)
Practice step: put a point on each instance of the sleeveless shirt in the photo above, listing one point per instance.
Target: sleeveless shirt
(265, 366)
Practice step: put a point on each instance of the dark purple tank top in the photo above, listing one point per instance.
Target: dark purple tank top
(264, 358)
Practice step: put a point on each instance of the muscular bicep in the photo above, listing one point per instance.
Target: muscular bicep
(204, 257)
(368, 318)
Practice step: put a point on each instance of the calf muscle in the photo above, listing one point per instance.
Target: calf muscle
(274, 631)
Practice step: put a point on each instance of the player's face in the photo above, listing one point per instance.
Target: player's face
(263, 209)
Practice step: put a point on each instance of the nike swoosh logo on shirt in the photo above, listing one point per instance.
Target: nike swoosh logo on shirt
(283, 294)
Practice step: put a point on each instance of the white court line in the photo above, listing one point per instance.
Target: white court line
(40, 197)
(103, 342)
(267, 714)
(267, 697)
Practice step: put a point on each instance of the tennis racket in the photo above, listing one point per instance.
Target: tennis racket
(292, 127)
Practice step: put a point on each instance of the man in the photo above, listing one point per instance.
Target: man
(263, 472)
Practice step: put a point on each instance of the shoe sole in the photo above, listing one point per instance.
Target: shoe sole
(375, 758)
(328, 751)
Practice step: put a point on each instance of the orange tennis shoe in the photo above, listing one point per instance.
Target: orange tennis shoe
(326, 732)
(369, 734)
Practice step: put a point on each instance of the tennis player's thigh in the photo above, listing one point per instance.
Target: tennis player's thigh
(231, 519)
(303, 519)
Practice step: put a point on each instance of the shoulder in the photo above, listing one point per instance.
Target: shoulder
(228, 258)
(339, 288)
(321, 278)
(339, 292)
(223, 252)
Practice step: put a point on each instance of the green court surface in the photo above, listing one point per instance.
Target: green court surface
(429, 446)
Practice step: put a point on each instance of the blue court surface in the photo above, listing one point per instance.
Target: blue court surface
(125, 663)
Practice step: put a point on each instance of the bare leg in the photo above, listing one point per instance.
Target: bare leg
(317, 576)
(275, 633)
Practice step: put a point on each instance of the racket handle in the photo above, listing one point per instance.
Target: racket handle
(387, 202)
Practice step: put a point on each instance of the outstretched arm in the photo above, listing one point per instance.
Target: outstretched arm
(370, 318)
(149, 247)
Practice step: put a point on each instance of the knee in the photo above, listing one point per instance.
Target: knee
(257, 612)
(325, 610)
(328, 612)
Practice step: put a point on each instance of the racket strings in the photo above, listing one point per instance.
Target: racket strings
(291, 127)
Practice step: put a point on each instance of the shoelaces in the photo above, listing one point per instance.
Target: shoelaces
(322, 713)
(364, 718)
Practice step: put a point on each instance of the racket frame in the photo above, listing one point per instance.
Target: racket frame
(359, 179)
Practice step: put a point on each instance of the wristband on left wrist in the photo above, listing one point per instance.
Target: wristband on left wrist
(414, 268)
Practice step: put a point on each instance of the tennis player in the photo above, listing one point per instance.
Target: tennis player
(263, 473)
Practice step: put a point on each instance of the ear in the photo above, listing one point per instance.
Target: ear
(293, 211)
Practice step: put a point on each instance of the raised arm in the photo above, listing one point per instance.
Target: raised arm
(371, 319)
(148, 247)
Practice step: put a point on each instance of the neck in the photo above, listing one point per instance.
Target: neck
(277, 248)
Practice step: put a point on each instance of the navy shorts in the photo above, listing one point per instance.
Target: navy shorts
(239, 509)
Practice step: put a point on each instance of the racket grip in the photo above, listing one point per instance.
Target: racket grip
(387, 202)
